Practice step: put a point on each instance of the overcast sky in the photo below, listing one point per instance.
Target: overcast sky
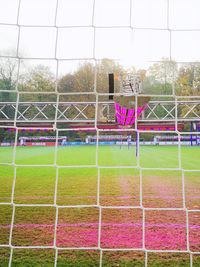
(135, 32)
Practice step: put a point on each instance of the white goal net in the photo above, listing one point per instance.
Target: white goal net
(78, 185)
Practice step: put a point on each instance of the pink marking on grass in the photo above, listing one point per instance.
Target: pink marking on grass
(167, 225)
(77, 236)
(194, 232)
(161, 238)
(119, 235)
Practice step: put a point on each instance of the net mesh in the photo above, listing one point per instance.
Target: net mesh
(88, 31)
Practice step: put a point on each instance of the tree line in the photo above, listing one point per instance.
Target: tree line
(161, 78)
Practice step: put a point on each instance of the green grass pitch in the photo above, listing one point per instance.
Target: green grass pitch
(78, 181)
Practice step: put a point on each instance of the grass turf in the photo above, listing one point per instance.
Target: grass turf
(78, 186)
(149, 156)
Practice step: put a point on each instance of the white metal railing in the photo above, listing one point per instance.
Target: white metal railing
(184, 110)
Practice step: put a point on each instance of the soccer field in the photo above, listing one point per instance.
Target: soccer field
(101, 195)
(149, 156)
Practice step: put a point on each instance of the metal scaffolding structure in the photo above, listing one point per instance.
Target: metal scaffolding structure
(84, 112)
